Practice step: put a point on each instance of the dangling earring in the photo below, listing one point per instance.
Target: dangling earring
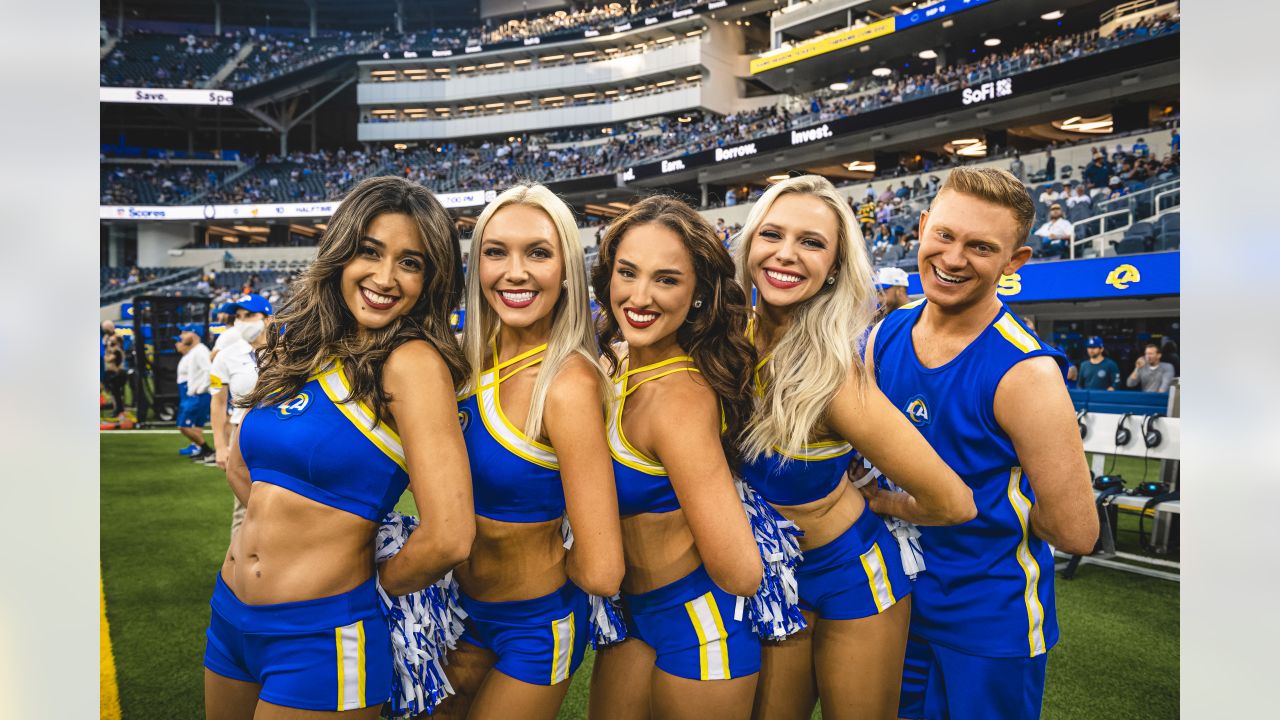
(831, 280)
(697, 303)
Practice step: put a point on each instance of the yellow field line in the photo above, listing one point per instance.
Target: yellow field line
(110, 692)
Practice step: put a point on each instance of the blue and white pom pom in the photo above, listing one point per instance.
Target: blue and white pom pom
(607, 626)
(424, 626)
(774, 611)
(907, 534)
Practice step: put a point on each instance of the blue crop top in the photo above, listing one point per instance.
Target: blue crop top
(514, 478)
(325, 449)
(795, 479)
(643, 485)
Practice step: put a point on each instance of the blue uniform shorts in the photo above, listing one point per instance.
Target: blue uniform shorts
(539, 641)
(331, 653)
(689, 624)
(857, 575)
(193, 410)
(939, 683)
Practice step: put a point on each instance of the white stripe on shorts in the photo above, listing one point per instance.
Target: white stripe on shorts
(713, 650)
(562, 632)
(878, 578)
(350, 641)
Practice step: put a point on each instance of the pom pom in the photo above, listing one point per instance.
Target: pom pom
(606, 622)
(907, 534)
(424, 626)
(774, 611)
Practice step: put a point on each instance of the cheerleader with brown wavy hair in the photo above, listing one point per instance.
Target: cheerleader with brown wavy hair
(682, 395)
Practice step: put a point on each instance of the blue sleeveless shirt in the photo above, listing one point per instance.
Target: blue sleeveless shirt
(810, 474)
(642, 483)
(514, 478)
(987, 588)
(326, 448)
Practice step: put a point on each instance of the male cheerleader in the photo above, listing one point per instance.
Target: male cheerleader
(988, 396)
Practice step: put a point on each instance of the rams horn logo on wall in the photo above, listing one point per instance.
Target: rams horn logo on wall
(464, 419)
(1009, 284)
(296, 406)
(917, 411)
(1123, 276)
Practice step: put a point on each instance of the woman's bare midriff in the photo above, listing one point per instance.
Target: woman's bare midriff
(513, 561)
(658, 549)
(825, 519)
(290, 548)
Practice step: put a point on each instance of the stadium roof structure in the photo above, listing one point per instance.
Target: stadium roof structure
(329, 14)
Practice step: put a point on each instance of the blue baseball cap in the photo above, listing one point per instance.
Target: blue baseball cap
(226, 309)
(254, 303)
(1094, 341)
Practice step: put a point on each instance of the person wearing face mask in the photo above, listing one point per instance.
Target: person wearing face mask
(223, 328)
(232, 375)
(355, 404)
(532, 415)
(682, 394)
(816, 402)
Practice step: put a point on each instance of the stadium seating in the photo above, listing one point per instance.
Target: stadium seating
(485, 164)
(154, 60)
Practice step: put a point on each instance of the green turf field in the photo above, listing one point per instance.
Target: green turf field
(165, 526)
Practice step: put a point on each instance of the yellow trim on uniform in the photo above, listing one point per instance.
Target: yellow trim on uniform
(567, 622)
(1031, 597)
(484, 418)
(884, 576)
(1014, 333)
(828, 445)
(346, 385)
(912, 304)
(568, 661)
(702, 638)
(654, 467)
(704, 655)
(555, 650)
(215, 382)
(723, 640)
(358, 422)
(342, 684)
(108, 689)
(360, 662)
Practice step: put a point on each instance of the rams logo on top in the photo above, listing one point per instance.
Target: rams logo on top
(296, 406)
(464, 419)
(917, 411)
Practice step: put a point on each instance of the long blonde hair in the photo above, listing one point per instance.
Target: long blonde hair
(572, 330)
(814, 356)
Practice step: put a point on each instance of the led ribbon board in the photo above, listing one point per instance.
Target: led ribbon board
(164, 96)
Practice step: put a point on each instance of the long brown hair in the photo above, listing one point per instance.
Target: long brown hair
(715, 334)
(316, 326)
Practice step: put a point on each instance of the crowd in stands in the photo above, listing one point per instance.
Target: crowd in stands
(151, 60)
(566, 154)
(143, 59)
(110, 278)
(156, 183)
(302, 177)
(276, 55)
(118, 283)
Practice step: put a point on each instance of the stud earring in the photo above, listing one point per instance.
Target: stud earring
(697, 303)
(831, 280)
(564, 283)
